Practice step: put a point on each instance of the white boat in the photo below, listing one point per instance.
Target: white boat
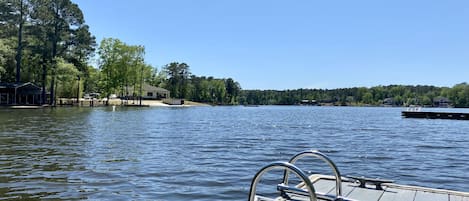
(339, 188)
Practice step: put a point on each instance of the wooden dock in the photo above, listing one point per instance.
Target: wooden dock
(436, 115)
(135, 105)
(82, 103)
(23, 106)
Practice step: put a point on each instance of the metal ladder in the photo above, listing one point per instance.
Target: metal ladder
(286, 191)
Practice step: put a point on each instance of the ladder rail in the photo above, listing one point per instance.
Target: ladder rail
(323, 157)
(287, 167)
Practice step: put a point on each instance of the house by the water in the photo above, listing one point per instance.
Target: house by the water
(20, 94)
(308, 102)
(149, 92)
(442, 102)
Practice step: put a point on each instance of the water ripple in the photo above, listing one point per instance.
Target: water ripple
(212, 153)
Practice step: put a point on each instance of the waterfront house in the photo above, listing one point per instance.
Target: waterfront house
(20, 94)
(441, 102)
(388, 101)
(308, 102)
(149, 92)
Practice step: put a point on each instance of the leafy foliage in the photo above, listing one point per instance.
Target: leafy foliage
(182, 84)
(178, 76)
(50, 44)
(45, 35)
(393, 95)
(122, 67)
(213, 91)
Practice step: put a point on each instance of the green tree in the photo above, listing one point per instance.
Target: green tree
(122, 67)
(12, 18)
(109, 55)
(153, 77)
(459, 94)
(82, 47)
(232, 91)
(6, 55)
(67, 79)
(178, 78)
(57, 24)
(92, 83)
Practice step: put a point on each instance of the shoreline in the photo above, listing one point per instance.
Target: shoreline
(155, 103)
(64, 102)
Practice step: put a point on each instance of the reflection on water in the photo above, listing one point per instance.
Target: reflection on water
(39, 151)
(212, 153)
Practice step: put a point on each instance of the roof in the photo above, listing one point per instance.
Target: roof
(441, 99)
(18, 85)
(147, 87)
(8, 85)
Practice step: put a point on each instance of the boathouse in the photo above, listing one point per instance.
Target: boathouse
(20, 94)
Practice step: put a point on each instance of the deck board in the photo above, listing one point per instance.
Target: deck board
(365, 194)
(394, 194)
(346, 189)
(426, 196)
(455, 198)
(324, 186)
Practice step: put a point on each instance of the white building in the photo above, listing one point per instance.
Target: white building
(150, 92)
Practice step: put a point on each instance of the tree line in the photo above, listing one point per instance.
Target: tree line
(122, 66)
(395, 95)
(45, 42)
(182, 84)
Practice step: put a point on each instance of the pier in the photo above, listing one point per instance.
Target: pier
(436, 115)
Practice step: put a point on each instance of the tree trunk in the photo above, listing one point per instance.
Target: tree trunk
(20, 44)
(54, 54)
(52, 92)
(44, 76)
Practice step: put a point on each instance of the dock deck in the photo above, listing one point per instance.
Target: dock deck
(436, 115)
(338, 188)
(324, 184)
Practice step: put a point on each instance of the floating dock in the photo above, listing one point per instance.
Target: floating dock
(23, 106)
(436, 115)
(349, 188)
(135, 105)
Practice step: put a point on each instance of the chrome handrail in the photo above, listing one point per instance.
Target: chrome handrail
(287, 167)
(317, 154)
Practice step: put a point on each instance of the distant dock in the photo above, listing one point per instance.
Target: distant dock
(23, 106)
(136, 105)
(436, 115)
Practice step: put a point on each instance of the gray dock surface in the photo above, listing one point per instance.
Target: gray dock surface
(391, 192)
(436, 115)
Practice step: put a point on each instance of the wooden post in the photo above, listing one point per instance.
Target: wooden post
(78, 90)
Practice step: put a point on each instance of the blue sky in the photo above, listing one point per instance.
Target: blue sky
(273, 44)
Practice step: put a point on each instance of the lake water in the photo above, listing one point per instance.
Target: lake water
(212, 153)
